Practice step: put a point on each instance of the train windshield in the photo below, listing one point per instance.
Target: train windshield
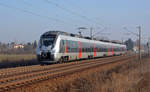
(48, 41)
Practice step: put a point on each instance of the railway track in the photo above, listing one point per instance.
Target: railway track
(4, 73)
(18, 79)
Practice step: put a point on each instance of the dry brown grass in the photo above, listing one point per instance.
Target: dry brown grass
(120, 77)
(12, 58)
(117, 79)
(7, 61)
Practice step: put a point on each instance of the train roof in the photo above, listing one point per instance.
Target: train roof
(49, 33)
(59, 33)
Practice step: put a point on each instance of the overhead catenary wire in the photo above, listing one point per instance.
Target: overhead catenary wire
(143, 38)
(30, 12)
(130, 31)
(81, 10)
(71, 12)
(31, 5)
(75, 5)
(44, 16)
(100, 31)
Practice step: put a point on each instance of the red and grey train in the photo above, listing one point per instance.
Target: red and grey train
(57, 46)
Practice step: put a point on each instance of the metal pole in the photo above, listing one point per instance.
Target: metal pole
(140, 52)
(148, 47)
(139, 42)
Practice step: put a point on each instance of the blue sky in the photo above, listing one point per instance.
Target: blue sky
(111, 15)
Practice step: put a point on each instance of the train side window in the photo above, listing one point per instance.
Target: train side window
(104, 49)
(71, 46)
(62, 47)
(77, 47)
(74, 46)
(97, 49)
(82, 49)
(88, 49)
(114, 49)
(100, 49)
(110, 49)
(68, 45)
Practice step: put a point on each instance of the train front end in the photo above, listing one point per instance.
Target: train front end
(46, 48)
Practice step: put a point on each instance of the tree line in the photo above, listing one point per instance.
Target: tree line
(30, 47)
(13, 48)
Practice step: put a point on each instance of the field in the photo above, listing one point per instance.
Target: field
(7, 61)
(116, 77)
(24, 57)
(110, 78)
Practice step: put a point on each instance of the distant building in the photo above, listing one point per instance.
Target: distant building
(135, 48)
(16, 46)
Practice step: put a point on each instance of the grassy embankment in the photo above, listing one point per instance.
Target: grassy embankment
(7, 61)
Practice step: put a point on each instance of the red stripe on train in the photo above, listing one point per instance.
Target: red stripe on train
(80, 52)
(65, 46)
(94, 49)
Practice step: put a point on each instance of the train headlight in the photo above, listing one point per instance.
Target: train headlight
(44, 55)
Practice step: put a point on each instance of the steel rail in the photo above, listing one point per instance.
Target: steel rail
(20, 80)
(25, 70)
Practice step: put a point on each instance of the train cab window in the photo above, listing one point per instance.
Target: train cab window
(47, 40)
